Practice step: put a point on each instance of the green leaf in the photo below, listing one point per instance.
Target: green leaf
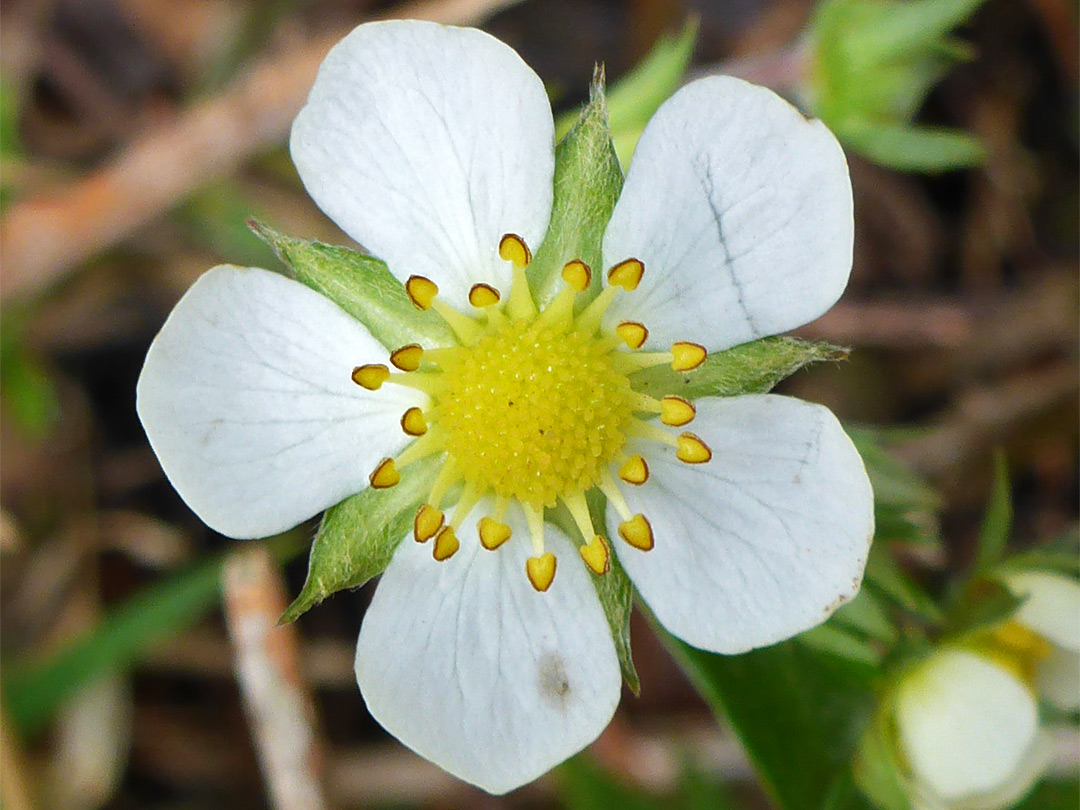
(884, 576)
(837, 640)
(216, 217)
(586, 185)
(982, 605)
(587, 786)
(362, 286)
(752, 368)
(798, 712)
(997, 523)
(903, 27)
(34, 691)
(905, 506)
(1053, 795)
(912, 148)
(28, 392)
(866, 615)
(358, 536)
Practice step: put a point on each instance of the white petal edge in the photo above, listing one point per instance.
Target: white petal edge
(1051, 605)
(474, 670)
(247, 399)
(965, 724)
(762, 542)
(426, 144)
(741, 210)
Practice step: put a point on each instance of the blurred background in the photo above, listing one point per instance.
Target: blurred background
(137, 136)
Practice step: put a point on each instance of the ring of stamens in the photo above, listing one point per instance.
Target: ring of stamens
(535, 407)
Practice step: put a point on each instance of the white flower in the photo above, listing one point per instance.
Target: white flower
(1051, 611)
(967, 730)
(433, 147)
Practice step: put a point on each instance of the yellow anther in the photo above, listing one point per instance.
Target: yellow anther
(483, 295)
(637, 532)
(541, 570)
(385, 475)
(407, 358)
(427, 523)
(413, 422)
(446, 544)
(512, 248)
(633, 334)
(421, 291)
(692, 450)
(687, 356)
(371, 376)
(626, 274)
(597, 555)
(492, 533)
(577, 274)
(676, 411)
(634, 470)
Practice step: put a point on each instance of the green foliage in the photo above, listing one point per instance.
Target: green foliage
(874, 63)
(1053, 795)
(358, 536)
(997, 523)
(587, 786)
(751, 368)
(637, 95)
(216, 217)
(35, 690)
(799, 713)
(876, 768)
(905, 507)
(362, 286)
(28, 393)
(587, 184)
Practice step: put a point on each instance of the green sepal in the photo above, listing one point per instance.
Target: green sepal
(997, 522)
(587, 183)
(358, 536)
(876, 768)
(751, 368)
(361, 285)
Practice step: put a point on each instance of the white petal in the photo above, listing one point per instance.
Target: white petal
(247, 399)
(741, 211)
(471, 668)
(763, 541)
(1033, 765)
(965, 724)
(1051, 607)
(426, 144)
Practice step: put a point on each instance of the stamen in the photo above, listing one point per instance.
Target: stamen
(597, 555)
(687, 356)
(385, 475)
(419, 381)
(483, 295)
(434, 441)
(646, 430)
(371, 376)
(637, 532)
(465, 504)
(446, 544)
(535, 520)
(643, 402)
(492, 533)
(421, 291)
(447, 477)
(413, 422)
(633, 334)
(577, 274)
(589, 320)
(541, 571)
(614, 495)
(634, 470)
(444, 355)
(676, 411)
(692, 450)
(626, 363)
(512, 248)
(466, 329)
(579, 511)
(407, 358)
(626, 274)
(427, 523)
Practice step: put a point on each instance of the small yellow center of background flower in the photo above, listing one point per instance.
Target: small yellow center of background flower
(535, 407)
(534, 414)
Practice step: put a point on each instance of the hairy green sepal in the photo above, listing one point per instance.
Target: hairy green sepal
(752, 368)
(358, 536)
(361, 285)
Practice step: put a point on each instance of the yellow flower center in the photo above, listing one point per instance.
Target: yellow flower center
(534, 407)
(534, 414)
